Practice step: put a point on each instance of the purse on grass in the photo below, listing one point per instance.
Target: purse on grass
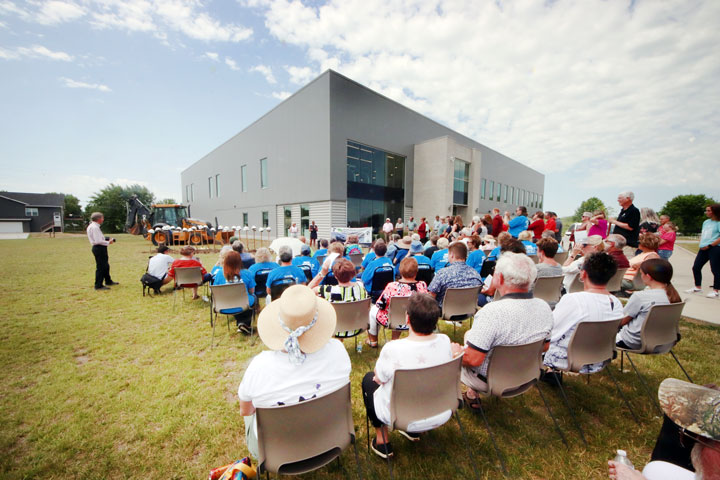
(240, 470)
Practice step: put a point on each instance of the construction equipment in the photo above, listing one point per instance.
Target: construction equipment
(169, 224)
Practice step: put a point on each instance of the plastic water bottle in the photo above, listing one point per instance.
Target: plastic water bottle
(622, 457)
(358, 349)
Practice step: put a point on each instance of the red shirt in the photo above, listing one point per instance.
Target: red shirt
(537, 227)
(497, 225)
(421, 229)
(550, 225)
(182, 263)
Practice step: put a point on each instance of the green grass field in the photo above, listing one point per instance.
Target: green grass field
(113, 385)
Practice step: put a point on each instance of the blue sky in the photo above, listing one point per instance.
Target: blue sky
(600, 96)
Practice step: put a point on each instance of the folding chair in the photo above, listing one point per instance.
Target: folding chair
(614, 284)
(591, 342)
(637, 281)
(381, 277)
(459, 304)
(659, 334)
(577, 285)
(534, 258)
(560, 257)
(488, 268)
(300, 438)
(548, 288)
(356, 259)
(397, 310)
(260, 281)
(513, 370)
(352, 316)
(307, 271)
(439, 389)
(279, 286)
(227, 297)
(186, 277)
(425, 273)
(320, 259)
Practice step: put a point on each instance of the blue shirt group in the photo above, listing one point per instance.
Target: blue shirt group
(439, 259)
(368, 273)
(245, 276)
(285, 272)
(307, 261)
(476, 259)
(530, 247)
(517, 225)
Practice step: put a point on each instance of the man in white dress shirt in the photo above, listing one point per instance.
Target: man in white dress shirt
(99, 244)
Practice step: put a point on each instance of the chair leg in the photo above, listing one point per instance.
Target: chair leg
(622, 357)
(492, 439)
(646, 387)
(557, 427)
(467, 444)
(357, 458)
(572, 413)
(622, 395)
(681, 367)
(212, 339)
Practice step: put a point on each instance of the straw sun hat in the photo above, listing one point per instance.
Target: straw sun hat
(296, 308)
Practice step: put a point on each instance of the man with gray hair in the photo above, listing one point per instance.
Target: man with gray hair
(614, 245)
(627, 222)
(247, 259)
(517, 318)
(99, 244)
(286, 272)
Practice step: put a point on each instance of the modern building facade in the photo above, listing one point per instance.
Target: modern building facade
(343, 155)
(31, 212)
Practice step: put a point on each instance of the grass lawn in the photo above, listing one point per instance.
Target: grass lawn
(114, 385)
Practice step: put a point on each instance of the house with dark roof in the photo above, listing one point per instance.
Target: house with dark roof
(31, 212)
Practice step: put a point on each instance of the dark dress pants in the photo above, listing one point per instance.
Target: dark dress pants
(102, 267)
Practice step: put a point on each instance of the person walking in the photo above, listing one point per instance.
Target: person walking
(99, 244)
(709, 251)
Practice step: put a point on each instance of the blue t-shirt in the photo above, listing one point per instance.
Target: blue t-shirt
(494, 254)
(368, 258)
(286, 272)
(517, 225)
(367, 275)
(710, 232)
(322, 251)
(476, 259)
(530, 247)
(439, 259)
(262, 266)
(246, 278)
(400, 253)
(422, 259)
(309, 261)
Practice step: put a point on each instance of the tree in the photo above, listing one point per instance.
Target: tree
(72, 206)
(589, 205)
(112, 202)
(687, 211)
(168, 201)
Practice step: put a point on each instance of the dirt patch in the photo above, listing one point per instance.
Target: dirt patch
(82, 359)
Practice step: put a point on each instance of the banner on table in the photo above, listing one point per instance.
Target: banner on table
(341, 233)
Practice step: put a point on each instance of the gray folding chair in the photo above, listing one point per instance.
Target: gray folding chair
(356, 259)
(560, 257)
(303, 437)
(320, 259)
(459, 304)
(396, 314)
(548, 288)
(577, 285)
(534, 258)
(659, 334)
(637, 281)
(591, 342)
(186, 277)
(513, 370)
(352, 316)
(614, 284)
(226, 297)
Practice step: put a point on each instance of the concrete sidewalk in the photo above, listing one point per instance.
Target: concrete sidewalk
(697, 306)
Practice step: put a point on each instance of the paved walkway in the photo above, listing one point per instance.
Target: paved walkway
(697, 306)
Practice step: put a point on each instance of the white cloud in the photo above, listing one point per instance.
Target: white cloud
(281, 95)
(265, 71)
(70, 83)
(55, 11)
(556, 85)
(231, 63)
(212, 56)
(34, 51)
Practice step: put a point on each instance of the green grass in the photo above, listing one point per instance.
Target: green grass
(693, 247)
(114, 385)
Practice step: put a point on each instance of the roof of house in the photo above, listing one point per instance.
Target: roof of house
(36, 199)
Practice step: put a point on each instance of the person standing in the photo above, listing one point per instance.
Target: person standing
(422, 230)
(294, 230)
(411, 226)
(497, 222)
(709, 251)
(99, 244)
(627, 222)
(387, 229)
(399, 227)
(313, 234)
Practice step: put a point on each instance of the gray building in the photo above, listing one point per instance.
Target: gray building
(341, 154)
(30, 212)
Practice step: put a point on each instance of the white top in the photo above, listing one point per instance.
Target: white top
(95, 235)
(572, 309)
(387, 227)
(659, 470)
(638, 307)
(271, 379)
(408, 354)
(159, 265)
(571, 272)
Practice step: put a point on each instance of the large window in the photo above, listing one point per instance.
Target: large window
(505, 193)
(461, 181)
(245, 218)
(265, 220)
(210, 187)
(498, 188)
(375, 186)
(491, 190)
(541, 202)
(243, 178)
(217, 185)
(31, 212)
(287, 216)
(305, 220)
(263, 173)
(483, 183)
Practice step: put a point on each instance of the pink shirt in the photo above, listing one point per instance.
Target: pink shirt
(669, 238)
(599, 229)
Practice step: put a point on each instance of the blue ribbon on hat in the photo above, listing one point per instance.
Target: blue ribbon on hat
(292, 346)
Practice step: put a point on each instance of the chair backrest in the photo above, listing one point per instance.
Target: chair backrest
(577, 285)
(299, 438)
(659, 332)
(513, 369)
(307, 271)
(424, 392)
(279, 286)
(591, 342)
(320, 259)
(638, 283)
(397, 310)
(230, 295)
(548, 288)
(488, 268)
(460, 302)
(260, 281)
(352, 315)
(381, 277)
(534, 258)
(425, 273)
(188, 276)
(561, 257)
(356, 259)
(615, 282)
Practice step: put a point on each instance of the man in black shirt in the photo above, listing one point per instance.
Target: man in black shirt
(627, 222)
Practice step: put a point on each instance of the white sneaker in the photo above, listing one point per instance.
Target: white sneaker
(713, 294)
(693, 290)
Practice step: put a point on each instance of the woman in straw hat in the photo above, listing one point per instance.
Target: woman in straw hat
(304, 360)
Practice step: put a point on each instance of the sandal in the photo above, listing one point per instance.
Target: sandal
(472, 403)
(370, 343)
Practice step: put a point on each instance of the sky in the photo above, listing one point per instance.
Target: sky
(600, 96)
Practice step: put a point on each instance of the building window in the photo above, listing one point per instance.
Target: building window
(375, 186)
(461, 181)
(517, 196)
(263, 173)
(192, 192)
(512, 194)
(483, 183)
(31, 212)
(498, 188)
(210, 187)
(540, 205)
(265, 220)
(187, 193)
(505, 192)
(217, 185)
(243, 178)
(287, 216)
(492, 190)
(305, 220)
(245, 219)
